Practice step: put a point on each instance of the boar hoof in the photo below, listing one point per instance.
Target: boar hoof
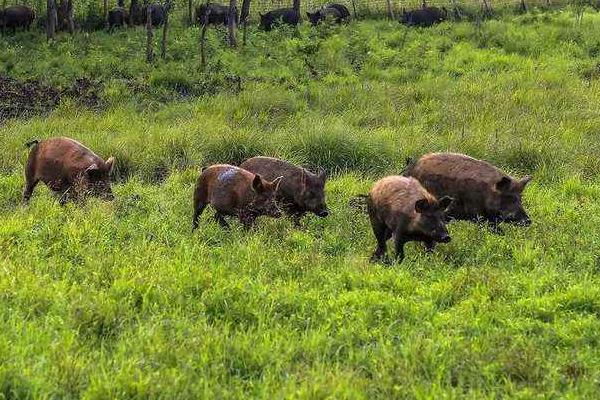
(496, 229)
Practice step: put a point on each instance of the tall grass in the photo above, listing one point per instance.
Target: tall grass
(121, 300)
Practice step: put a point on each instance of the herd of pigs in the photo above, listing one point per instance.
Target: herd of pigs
(417, 206)
(22, 16)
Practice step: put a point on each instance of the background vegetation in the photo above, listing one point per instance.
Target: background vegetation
(120, 300)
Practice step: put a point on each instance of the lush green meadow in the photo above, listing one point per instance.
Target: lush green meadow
(120, 300)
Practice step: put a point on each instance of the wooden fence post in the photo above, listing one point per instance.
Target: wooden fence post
(232, 23)
(163, 48)
(203, 46)
(296, 7)
(523, 6)
(51, 19)
(244, 17)
(190, 13)
(390, 10)
(70, 19)
(106, 25)
(149, 35)
(486, 8)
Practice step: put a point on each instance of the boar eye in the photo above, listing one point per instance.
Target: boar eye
(94, 173)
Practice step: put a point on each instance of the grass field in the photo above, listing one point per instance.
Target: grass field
(120, 300)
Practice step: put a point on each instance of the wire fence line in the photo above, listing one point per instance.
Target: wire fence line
(90, 13)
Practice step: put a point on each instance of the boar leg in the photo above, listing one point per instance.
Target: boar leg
(382, 234)
(220, 218)
(297, 217)
(198, 209)
(28, 191)
(430, 246)
(200, 203)
(399, 246)
(495, 228)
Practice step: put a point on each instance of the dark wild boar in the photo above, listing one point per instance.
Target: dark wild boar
(14, 17)
(135, 14)
(236, 192)
(213, 14)
(68, 168)
(280, 16)
(300, 191)
(138, 16)
(118, 16)
(401, 207)
(480, 190)
(336, 12)
(426, 16)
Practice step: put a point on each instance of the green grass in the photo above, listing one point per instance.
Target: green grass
(121, 300)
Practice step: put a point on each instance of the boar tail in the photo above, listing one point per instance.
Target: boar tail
(31, 143)
(359, 202)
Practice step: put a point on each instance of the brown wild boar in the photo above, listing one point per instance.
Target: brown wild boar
(234, 191)
(480, 190)
(401, 207)
(300, 191)
(68, 168)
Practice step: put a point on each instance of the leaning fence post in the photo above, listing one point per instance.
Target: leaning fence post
(244, 17)
(163, 47)
(203, 45)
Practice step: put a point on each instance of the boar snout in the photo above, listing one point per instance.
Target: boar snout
(322, 213)
(444, 238)
(108, 197)
(525, 221)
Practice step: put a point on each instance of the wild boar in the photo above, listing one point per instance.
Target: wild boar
(135, 13)
(118, 16)
(300, 191)
(280, 16)
(480, 190)
(213, 14)
(68, 168)
(337, 12)
(138, 15)
(236, 192)
(14, 17)
(401, 207)
(426, 16)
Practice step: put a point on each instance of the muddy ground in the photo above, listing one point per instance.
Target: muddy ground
(25, 99)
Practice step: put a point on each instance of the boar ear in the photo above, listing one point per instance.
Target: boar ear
(110, 164)
(257, 183)
(322, 175)
(422, 206)
(445, 202)
(504, 184)
(524, 181)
